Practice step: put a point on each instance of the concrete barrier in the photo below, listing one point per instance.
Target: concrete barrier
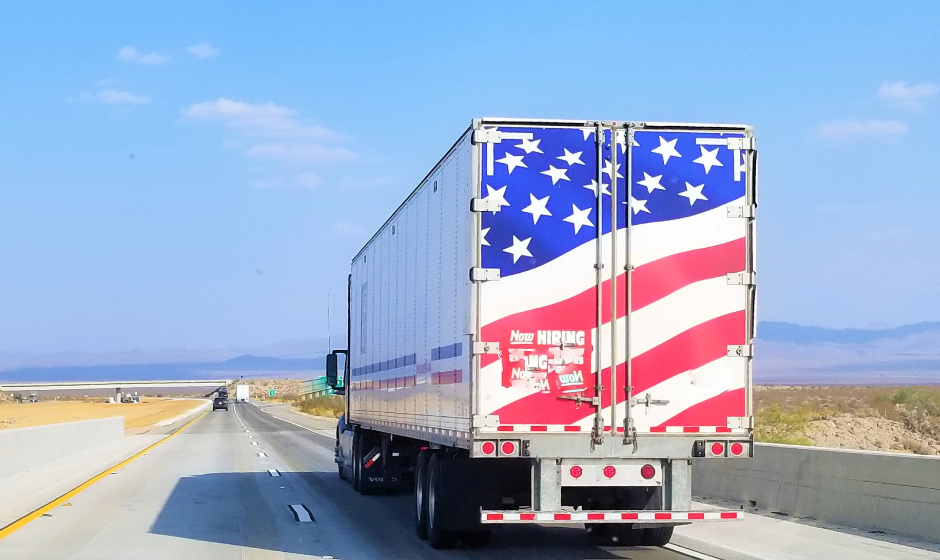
(864, 489)
(24, 448)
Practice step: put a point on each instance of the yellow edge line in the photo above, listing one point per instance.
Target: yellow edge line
(19, 523)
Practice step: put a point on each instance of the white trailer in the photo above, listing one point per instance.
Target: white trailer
(241, 393)
(486, 313)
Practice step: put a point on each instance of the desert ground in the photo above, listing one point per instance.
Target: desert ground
(897, 419)
(137, 417)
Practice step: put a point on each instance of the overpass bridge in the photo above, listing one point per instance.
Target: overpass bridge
(117, 385)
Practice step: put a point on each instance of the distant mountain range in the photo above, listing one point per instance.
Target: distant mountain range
(786, 353)
(240, 366)
(791, 332)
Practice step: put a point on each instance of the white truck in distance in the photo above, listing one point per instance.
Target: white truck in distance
(241, 393)
(554, 323)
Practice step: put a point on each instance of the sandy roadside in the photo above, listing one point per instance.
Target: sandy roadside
(137, 417)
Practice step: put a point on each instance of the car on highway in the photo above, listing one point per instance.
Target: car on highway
(220, 402)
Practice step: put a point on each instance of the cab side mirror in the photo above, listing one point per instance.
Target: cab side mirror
(332, 375)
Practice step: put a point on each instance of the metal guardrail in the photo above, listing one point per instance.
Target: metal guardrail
(315, 387)
(59, 386)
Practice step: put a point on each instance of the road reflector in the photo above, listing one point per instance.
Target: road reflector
(262, 454)
(301, 513)
(273, 472)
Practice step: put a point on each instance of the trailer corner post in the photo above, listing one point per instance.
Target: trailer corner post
(679, 485)
(597, 433)
(629, 428)
(546, 484)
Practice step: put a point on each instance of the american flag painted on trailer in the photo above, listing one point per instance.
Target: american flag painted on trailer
(683, 187)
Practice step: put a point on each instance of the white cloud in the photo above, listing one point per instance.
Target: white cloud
(203, 50)
(114, 97)
(846, 131)
(907, 96)
(279, 136)
(305, 180)
(309, 154)
(130, 54)
(264, 120)
(353, 231)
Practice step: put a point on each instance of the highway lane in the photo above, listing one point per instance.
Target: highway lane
(208, 494)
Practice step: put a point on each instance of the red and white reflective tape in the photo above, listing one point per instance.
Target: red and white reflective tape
(607, 516)
(696, 430)
(555, 428)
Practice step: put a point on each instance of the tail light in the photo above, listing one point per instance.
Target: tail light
(717, 449)
(610, 471)
(736, 449)
(575, 471)
(509, 448)
(647, 471)
(488, 448)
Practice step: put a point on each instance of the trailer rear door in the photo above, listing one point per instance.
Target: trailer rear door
(572, 248)
(690, 278)
(552, 241)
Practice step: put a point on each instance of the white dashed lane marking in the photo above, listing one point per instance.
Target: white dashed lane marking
(301, 513)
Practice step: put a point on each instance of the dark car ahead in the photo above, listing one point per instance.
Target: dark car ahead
(220, 402)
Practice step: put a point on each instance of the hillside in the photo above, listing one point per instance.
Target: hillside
(794, 354)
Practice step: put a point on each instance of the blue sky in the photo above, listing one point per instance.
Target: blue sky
(181, 176)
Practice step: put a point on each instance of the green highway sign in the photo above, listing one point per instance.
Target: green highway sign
(270, 392)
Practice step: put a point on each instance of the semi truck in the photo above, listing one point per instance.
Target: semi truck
(241, 393)
(552, 326)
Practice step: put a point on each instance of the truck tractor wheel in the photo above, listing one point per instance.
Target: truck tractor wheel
(656, 536)
(614, 534)
(357, 437)
(437, 536)
(421, 493)
(359, 458)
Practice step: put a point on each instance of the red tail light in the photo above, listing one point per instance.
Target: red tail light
(648, 471)
(488, 448)
(610, 471)
(718, 448)
(575, 471)
(736, 448)
(508, 448)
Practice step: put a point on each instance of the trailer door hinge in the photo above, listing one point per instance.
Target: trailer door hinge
(484, 135)
(741, 143)
(484, 421)
(741, 211)
(737, 143)
(741, 422)
(740, 279)
(479, 274)
(485, 348)
(487, 204)
(740, 350)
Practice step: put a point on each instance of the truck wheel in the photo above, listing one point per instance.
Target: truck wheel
(355, 459)
(421, 493)
(615, 534)
(657, 536)
(437, 536)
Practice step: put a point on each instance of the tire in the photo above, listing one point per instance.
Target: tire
(657, 536)
(359, 450)
(421, 494)
(437, 536)
(477, 539)
(615, 534)
(355, 459)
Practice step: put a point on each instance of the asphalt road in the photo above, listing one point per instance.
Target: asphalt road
(208, 494)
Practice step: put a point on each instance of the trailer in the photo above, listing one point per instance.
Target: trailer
(241, 393)
(554, 323)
